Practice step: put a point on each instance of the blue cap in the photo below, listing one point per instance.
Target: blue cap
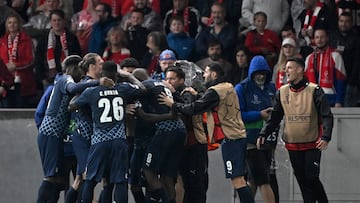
(167, 55)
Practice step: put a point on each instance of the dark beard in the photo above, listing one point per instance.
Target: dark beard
(322, 47)
(215, 57)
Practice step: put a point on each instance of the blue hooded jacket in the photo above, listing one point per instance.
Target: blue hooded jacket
(183, 45)
(253, 99)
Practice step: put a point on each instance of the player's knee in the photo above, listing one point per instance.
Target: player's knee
(238, 182)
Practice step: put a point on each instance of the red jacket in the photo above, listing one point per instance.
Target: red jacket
(24, 62)
(256, 42)
(6, 78)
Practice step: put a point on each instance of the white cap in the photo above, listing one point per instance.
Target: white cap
(289, 41)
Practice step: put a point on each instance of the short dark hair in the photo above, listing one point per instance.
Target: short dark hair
(130, 62)
(260, 13)
(57, 12)
(107, 7)
(177, 18)
(217, 3)
(70, 66)
(288, 28)
(215, 67)
(138, 10)
(245, 50)
(322, 28)
(297, 60)
(109, 69)
(347, 14)
(214, 42)
(177, 70)
(71, 60)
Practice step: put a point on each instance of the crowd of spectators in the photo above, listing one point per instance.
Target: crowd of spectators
(200, 31)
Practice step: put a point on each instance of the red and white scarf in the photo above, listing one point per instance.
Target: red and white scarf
(51, 48)
(117, 57)
(185, 17)
(309, 23)
(323, 70)
(12, 53)
(280, 79)
(13, 47)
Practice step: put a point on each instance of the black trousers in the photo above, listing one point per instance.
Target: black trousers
(193, 169)
(306, 165)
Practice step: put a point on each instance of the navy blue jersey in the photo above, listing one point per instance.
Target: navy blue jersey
(143, 137)
(108, 109)
(150, 100)
(83, 119)
(57, 117)
(151, 105)
(68, 147)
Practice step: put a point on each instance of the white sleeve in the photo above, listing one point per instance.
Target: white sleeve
(247, 11)
(339, 62)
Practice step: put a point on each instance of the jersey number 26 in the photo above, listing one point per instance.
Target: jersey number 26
(117, 109)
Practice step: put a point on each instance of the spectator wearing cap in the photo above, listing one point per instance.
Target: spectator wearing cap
(288, 50)
(129, 64)
(166, 58)
(303, 48)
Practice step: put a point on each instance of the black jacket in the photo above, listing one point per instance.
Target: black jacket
(323, 110)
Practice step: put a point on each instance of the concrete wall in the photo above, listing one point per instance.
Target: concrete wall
(21, 172)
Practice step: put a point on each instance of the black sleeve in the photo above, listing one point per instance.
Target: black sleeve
(153, 118)
(326, 18)
(185, 97)
(73, 44)
(209, 100)
(326, 118)
(40, 57)
(355, 74)
(276, 116)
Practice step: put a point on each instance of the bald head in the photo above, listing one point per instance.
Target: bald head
(140, 74)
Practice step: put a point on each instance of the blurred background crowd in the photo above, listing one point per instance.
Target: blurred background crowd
(36, 35)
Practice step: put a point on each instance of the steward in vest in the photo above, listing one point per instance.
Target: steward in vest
(308, 127)
(221, 95)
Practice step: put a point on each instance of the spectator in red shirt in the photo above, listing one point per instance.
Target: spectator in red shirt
(116, 49)
(263, 41)
(17, 52)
